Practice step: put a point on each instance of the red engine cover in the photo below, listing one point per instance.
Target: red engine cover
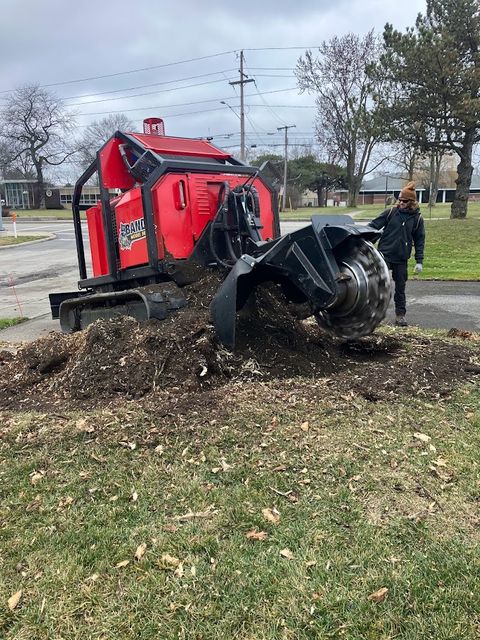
(183, 204)
(96, 234)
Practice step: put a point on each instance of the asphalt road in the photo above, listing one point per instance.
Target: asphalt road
(29, 273)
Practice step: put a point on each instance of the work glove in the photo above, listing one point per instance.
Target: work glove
(418, 267)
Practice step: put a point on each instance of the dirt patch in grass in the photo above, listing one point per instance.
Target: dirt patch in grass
(122, 359)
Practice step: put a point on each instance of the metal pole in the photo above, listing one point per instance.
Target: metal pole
(243, 80)
(285, 128)
(2, 228)
(242, 113)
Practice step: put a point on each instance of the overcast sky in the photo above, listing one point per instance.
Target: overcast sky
(69, 43)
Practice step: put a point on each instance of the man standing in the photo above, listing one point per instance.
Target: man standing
(403, 228)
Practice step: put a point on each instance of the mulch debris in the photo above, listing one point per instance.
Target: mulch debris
(120, 359)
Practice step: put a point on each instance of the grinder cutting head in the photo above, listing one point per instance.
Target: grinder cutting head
(364, 293)
(331, 264)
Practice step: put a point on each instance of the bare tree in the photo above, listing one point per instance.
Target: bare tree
(34, 126)
(97, 133)
(429, 169)
(405, 158)
(344, 91)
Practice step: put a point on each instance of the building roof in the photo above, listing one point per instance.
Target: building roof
(388, 183)
(393, 183)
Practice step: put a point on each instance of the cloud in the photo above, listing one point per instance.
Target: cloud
(54, 41)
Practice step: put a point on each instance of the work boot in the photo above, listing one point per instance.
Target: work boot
(401, 322)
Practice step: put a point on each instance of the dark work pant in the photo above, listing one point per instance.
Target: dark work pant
(400, 277)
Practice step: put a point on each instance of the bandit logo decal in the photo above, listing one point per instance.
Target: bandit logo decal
(130, 232)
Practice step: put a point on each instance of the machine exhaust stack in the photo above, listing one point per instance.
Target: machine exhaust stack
(154, 126)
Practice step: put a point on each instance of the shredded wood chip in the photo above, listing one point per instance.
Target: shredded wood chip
(14, 600)
(272, 515)
(422, 437)
(169, 562)
(121, 564)
(140, 552)
(257, 535)
(378, 596)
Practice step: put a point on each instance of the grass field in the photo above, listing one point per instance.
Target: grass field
(452, 250)
(293, 518)
(6, 241)
(370, 211)
(10, 322)
(60, 214)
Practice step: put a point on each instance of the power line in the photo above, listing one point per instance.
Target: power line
(147, 93)
(272, 68)
(99, 113)
(270, 109)
(162, 66)
(152, 84)
(123, 73)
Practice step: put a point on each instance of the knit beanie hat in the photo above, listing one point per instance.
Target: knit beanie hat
(408, 192)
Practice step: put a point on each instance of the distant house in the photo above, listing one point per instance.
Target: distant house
(376, 191)
(310, 198)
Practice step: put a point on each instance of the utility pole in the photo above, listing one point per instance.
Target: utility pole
(286, 128)
(243, 80)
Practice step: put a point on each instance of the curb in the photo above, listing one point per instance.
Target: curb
(50, 236)
(38, 219)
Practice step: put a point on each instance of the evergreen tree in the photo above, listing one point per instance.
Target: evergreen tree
(433, 74)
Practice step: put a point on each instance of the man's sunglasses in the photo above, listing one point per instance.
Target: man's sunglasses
(403, 200)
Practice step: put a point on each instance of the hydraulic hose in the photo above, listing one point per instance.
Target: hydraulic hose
(222, 199)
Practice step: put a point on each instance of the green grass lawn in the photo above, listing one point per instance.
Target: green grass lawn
(60, 214)
(370, 211)
(452, 250)
(293, 518)
(10, 322)
(9, 240)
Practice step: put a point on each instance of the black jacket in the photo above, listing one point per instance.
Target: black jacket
(402, 229)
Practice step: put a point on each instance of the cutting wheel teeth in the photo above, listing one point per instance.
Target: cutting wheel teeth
(369, 293)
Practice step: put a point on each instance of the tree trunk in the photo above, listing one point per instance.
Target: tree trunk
(323, 196)
(352, 199)
(353, 191)
(40, 190)
(411, 166)
(319, 196)
(464, 179)
(435, 163)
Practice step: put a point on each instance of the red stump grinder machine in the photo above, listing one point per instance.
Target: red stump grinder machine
(172, 208)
